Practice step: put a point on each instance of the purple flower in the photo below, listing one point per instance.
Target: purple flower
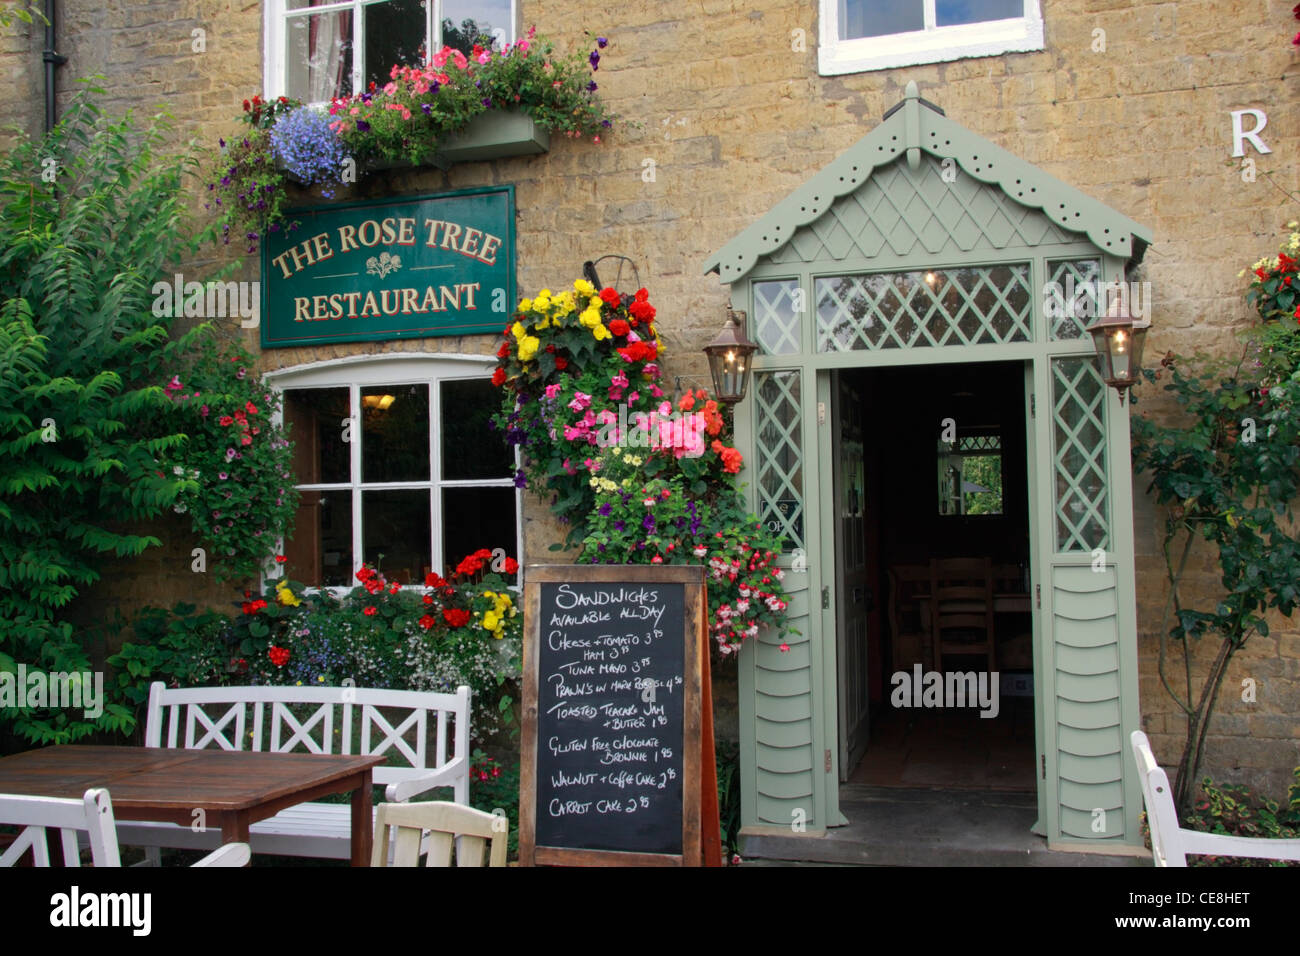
(595, 60)
(605, 509)
(520, 479)
(222, 475)
(363, 126)
(601, 42)
(619, 526)
(591, 87)
(426, 107)
(648, 523)
(487, 101)
(230, 454)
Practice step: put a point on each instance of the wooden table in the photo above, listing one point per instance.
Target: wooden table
(234, 789)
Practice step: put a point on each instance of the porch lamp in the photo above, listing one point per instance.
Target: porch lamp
(729, 359)
(1119, 340)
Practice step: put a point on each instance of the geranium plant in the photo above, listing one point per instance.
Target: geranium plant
(236, 465)
(407, 119)
(637, 477)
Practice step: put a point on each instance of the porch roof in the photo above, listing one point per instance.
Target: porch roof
(913, 126)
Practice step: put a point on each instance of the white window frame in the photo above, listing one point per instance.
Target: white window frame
(934, 44)
(276, 14)
(409, 368)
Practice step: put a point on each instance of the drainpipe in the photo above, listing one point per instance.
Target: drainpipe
(52, 61)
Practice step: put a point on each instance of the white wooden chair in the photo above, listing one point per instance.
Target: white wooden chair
(432, 828)
(1170, 843)
(93, 814)
(337, 720)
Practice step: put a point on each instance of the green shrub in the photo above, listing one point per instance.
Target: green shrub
(1238, 811)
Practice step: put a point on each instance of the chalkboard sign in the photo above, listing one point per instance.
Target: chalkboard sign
(613, 717)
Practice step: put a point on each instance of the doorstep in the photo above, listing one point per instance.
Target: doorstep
(898, 826)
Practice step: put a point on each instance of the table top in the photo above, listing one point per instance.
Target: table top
(172, 778)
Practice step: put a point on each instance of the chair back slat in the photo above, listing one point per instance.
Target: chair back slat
(92, 813)
(478, 838)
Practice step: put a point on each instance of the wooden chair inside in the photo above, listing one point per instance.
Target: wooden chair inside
(961, 616)
(910, 628)
(433, 829)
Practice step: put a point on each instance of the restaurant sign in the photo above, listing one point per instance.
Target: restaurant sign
(411, 268)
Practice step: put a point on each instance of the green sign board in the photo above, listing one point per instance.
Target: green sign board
(408, 268)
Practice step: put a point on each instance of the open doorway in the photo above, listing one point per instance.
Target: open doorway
(933, 612)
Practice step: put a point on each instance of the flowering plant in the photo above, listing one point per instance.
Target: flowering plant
(1275, 290)
(236, 463)
(462, 629)
(406, 119)
(306, 146)
(638, 478)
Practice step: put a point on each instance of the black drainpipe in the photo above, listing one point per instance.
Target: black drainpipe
(52, 60)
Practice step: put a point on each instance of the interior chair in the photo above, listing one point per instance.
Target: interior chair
(432, 829)
(961, 610)
(910, 630)
(93, 815)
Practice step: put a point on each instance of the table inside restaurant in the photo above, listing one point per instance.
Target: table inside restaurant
(233, 788)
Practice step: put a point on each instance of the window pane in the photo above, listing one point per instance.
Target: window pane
(476, 518)
(317, 419)
(396, 534)
(877, 18)
(318, 56)
(950, 12)
(320, 552)
(471, 447)
(776, 322)
(395, 433)
(465, 20)
(779, 445)
(394, 34)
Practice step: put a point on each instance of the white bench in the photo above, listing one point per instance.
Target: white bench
(1170, 843)
(261, 719)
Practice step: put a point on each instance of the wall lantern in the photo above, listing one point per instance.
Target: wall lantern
(729, 359)
(1119, 340)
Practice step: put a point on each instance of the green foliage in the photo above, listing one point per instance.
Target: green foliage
(728, 761)
(83, 416)
(248, 194)
(494, 788)
(1227, 470)
(1238, 811)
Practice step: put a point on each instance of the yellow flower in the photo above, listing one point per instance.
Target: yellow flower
(542, 302)
(528, 347)
(544, 324)
(583, 287)
(600, 333)
(525, 305)
(285, 596)
(491, 621)
(564, 303)
(590, 318)
(595, 302)
(518, 331)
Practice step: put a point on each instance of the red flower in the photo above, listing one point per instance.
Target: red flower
(456, 617)
(609, 296)
(394, 588)
(550, 349)
(496, 771)
(365, 574)
(252, 607)
(427, 599)
(279, 655)
(619, 327)
(280, 559)
(250, 408)
(639, 352)
(512, 566)
(225, 420)
(369, 612)
(499, 377)
(504, 350)
(642, 310)
(427, 622)
(432, 580)
(561, 363)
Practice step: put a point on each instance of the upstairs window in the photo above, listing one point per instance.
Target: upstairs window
(320, 49)
(861, 35)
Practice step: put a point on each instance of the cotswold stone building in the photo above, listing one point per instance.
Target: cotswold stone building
(820, 165)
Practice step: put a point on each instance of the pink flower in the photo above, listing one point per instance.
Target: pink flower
(484, 57)
(580, 401)
(552, 391)
(522, 46)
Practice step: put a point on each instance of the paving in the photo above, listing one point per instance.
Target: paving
(897, 826)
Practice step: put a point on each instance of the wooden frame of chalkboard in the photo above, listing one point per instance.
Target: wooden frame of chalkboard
(587, 627)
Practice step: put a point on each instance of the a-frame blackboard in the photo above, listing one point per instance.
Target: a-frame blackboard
(617, 757)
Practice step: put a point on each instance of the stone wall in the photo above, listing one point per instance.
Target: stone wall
(731, 110)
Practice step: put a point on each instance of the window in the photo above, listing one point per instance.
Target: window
(319, 49)
(859, 35)
(398, 468)
(970, 474)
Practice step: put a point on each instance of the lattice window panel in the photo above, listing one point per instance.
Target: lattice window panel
(1072, 298)
(779, 455)
(776, 318)
(1079, 455)
(978, 443)
(967, 306)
